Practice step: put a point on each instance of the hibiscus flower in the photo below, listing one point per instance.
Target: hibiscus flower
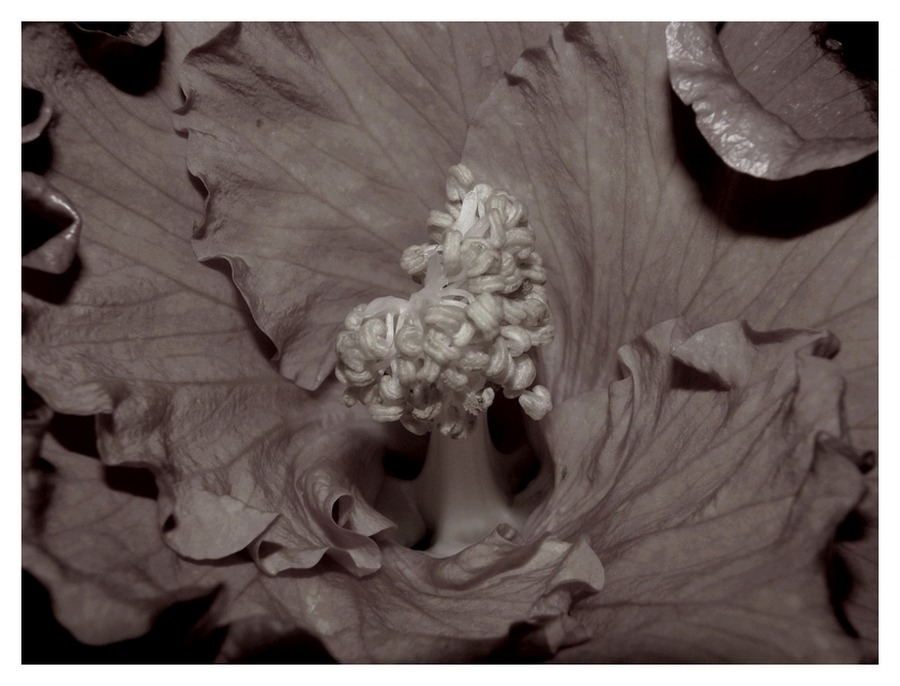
(713, 369)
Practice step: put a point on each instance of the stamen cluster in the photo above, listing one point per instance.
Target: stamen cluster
(435, 359)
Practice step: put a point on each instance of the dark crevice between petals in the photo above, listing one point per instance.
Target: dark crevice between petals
(38, 474)
(266, 347)
(525, 644)
(37, 155)
(37, 229)
(129, 55)
(51, 288)
(854, 44)
(855, 526)
(170, 524)
(781, 209)
(32, 105)
(76, 434)
(51, 226)
(136, 481)
(840, 582)
(403, 467)
(178, 636)
(686, 378)
(37, 113)
(33, 407)
(298, 648)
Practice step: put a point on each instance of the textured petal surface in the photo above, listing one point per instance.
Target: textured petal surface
(745, 89)
(708, 471)
(323, 148)
(423, 609)
(96, 545)
(161, 347)
(712, 494)
(639, 221)
(162, 350)
(98, 548)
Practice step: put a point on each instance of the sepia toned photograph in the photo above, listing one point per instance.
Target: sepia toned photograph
(490, 343)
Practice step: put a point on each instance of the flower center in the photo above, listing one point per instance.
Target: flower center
(437, 359)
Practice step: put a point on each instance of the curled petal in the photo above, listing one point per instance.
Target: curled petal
(424, 609)
(156, 344)
(129, 54)
(111, 574)
(48, 211)
(39, 111)
(111, 580)
(639, 221)
(325, 509)
(303, 120)
(746, 134)
(105, 34)
(704, 479)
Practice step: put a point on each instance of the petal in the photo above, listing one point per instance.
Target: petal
(424, 609)
(639, 221)
(323, 148)
(52, 226)
(162, 348)
(768, 98)
(172, 361)
(97, 548)
(856, 569)
(99, 551)
(710, 484)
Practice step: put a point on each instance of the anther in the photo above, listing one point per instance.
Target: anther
(436, 359)
(536, 402)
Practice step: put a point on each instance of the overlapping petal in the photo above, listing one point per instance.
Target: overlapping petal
(51, 228)
(638, 221)
(707, 470)
(161, 349)
(712, 479)
(323, 149)
(99, 549)
(747, 108)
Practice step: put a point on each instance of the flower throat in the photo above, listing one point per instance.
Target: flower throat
(435, 361)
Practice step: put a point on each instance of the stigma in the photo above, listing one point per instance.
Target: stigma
(437, 359)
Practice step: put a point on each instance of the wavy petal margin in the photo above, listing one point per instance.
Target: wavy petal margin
(98, 549)
(710, 491)
(111, 574)
(161, 348)
(712, 488)
(712, 480)
(638, 221)
(55, 224)
(749, 136)
(323, 148)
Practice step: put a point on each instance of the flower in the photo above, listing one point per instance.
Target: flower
(689, 480)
